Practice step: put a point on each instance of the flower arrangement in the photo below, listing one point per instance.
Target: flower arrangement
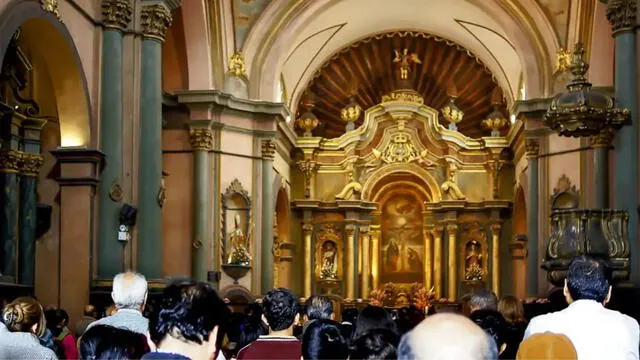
(473, 273)
(376, 297)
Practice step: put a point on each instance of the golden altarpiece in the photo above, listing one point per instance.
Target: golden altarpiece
(402, 199)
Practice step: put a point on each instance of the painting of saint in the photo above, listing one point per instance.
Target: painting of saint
(402, 241)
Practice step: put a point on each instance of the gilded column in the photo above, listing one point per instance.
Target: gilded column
(268, 153)
(116, 15)
(202, 142)
(155, 19)
(452, 269)
(307, 231)
(375, 258)
(365, 239)
(350, 273)
(428, 259)
(10, 162)
(532, 148)
(437, 260)
(495, 258)
(31, 163)
(601, 144)
(622, 16)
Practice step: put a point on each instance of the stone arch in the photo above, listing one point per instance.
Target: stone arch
(44, 32)
(375, 183)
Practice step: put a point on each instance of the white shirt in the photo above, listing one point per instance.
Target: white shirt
(595, 331)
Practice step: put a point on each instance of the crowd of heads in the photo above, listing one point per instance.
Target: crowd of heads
(190, 318)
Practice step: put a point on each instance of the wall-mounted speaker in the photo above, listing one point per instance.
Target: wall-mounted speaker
(43, 219)
(128, 215)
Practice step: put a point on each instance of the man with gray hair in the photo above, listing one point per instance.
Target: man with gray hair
(484, 312)
(130, 296)
(447, 336)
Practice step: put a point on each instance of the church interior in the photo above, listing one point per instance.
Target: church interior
(365, 149)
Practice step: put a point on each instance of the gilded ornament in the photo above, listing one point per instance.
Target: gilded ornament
(351, 191)
(603, 139)
(115, 192)
(116, 14)
(50, 6)
(351, 113)
(10, 161)
(449, 187)
(405, 61)
(155, 20)
(532, 148)
(237, 66)
(308, 120)
(201, 139)
(622, 15)
(268, 149)
(403, 96)
(496, 121)
(452, 113)
(307, 167)
(563, 61)
(31, 164)
(400, 150)
(236, 188)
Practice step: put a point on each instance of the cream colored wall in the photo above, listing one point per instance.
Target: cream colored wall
(282, 167)
(564, 164)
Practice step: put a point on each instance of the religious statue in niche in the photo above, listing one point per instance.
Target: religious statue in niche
(473, 261)
(351, 191)
(329, 270)
(405, 61)
(239, 255)
(449, 187)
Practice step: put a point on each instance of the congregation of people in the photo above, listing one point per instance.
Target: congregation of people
(189, 320)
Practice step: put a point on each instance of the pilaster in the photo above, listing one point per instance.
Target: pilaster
(365, 240)
(600, 145)
(437, 260)
(201, 140)
(350, 273)
(268, 154)
(495, 257)
(307, 233)
(532, 148)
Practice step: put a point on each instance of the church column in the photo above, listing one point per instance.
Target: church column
(350, 273)
(268, 152)
(116, 18)
(202, 142)
(366, 262)
(600, 144)
(427, 258)
(307, 231)
(452, 288)
(437, 260)
(375, 258)
(32, 162)
(155, 20)
(532, 147)
(622, 16)
(10, 159)
(495, 258)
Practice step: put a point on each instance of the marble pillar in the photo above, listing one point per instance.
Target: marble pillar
(437, 260)
(495, 258)
(268, 207)
(155, 20)
(622, 16)
(202, 142)
(31, 163)
(365, 284)
(307, 233)
(452, 269)
(10, 163)
(600, 145)
(532, 148)
(116, 18)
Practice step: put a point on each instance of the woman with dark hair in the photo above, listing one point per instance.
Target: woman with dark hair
(371, 318)
(323, 340)
(512, 310)
(252, 327)
(57, 320)
(107, 342)
(376, 344)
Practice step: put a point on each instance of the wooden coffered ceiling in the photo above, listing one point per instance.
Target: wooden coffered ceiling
(368, 66)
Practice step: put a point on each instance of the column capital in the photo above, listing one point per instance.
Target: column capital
(603, 139)
(452, 227)
(532, 148)
(116, 14)
(308, 227)
(10, 161)
(31, 164)
(495, 228)
(155, 20)
(350, 229)
(201, 139)
(268, 149)
(622, 15)
(364, 230)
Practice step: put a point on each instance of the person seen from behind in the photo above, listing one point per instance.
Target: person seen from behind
(323, 340)
(25, 322)
(512, 310)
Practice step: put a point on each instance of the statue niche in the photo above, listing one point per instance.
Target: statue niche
(328, 268)
(474, 253)
(235, 241)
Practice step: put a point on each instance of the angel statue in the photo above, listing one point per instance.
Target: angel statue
(406, 60)
(239, 254)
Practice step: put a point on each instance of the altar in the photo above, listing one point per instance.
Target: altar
(401, 199)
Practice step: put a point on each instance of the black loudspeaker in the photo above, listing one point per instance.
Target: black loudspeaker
(43, 219)
(128, 215)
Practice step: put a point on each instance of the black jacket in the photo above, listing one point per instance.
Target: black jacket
(493, 323)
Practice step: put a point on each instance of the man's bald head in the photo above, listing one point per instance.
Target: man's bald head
(447, 336)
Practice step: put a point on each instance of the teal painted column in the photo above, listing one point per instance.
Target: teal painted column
(268, 208)
(10, 164)
(532, 149)
(116, 18)
(622, 16)
(600, 144)
(202, 143)
(155, 20)
(32, 162)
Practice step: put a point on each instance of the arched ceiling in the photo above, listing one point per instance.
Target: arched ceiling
(368, 67)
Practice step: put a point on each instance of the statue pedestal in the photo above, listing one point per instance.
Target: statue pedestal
(469, 286)
(235, 271)
(328, 285)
